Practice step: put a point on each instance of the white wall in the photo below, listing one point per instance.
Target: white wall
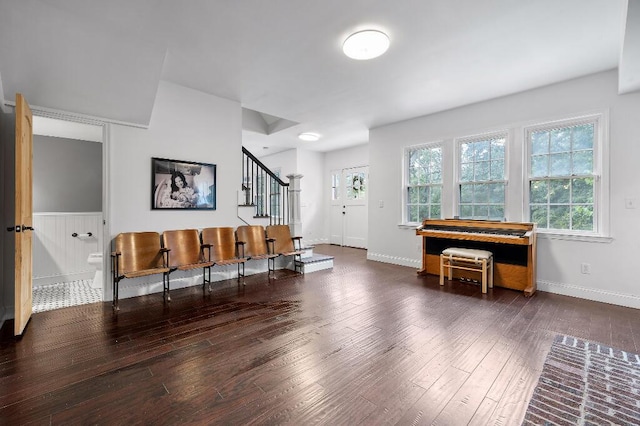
(185, 125)
(312, 188)
(614, 276)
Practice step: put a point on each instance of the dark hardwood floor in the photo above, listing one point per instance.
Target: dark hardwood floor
(364, 343)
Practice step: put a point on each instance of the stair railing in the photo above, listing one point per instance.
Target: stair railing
(265, 190)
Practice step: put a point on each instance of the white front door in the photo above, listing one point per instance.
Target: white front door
(349, 207)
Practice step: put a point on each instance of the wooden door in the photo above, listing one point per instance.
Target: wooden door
(23, 214)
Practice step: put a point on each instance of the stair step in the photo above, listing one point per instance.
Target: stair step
(316, 262)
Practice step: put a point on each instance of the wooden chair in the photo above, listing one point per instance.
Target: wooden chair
(224, 248)
(254, 245)
(138, 254)
(286, 245)
(188, 253)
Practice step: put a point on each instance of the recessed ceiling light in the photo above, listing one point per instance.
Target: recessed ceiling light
(367, 44)
(309, 137)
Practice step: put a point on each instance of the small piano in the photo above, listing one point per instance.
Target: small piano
(513, 245)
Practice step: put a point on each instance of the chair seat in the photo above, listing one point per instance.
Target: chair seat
(293, 253)
(193, 266)
(230, 261)
(145, 272)
(467, 253)
(263, 256)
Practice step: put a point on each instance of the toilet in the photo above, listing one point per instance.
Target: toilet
(95, 259)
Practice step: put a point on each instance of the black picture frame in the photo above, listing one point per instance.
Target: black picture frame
(197, 192)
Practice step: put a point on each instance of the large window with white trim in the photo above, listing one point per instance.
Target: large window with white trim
(482, 180)
(563, 185)
(423, 182)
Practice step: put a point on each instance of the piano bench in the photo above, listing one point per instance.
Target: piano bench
(468, 260)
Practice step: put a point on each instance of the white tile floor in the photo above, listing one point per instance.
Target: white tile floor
(63, 295)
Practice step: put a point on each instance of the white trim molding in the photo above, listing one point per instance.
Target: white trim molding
(621, 299)
(402, 261)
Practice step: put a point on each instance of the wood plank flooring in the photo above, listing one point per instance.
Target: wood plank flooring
(364, 343)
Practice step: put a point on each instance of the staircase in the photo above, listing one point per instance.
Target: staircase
(263, 194)
(265, 200)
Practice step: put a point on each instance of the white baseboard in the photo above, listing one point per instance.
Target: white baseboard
(402, 261)
(316, 241)
(63, 278)
(181, 279)
(596, 295)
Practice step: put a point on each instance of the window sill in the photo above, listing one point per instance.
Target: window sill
(574, 237)
(410, 226)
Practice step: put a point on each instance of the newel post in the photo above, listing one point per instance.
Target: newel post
(295, 223)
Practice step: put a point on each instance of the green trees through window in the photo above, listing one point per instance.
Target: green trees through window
(561, 183)
(424, 183)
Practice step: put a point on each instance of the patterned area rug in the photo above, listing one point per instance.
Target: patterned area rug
(63, 295)
(585, 383)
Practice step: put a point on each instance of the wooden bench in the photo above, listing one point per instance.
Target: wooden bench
(254, 245)
(468, 260)
(187, 253)
(224, 248)
(138, 254)
(285, 245)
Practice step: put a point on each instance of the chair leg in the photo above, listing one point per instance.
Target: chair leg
(491, 272)
(206, 280)
(484, 276)
(441, 269)
(165, 284)
(115, 295)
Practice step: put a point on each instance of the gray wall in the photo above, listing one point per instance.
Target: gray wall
(67, 175)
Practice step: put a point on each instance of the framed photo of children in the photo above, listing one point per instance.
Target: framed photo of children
(182, 185)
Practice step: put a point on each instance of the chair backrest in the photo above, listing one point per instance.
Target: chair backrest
(255, 239)
(223, 242)
(282, 235)
(139, 251)
(184, 245)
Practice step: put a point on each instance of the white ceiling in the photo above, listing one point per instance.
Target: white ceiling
(283, 58)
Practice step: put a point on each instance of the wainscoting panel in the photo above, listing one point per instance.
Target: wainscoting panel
(57, 255)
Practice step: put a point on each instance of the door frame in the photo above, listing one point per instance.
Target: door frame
(342, 204)
(106, 184)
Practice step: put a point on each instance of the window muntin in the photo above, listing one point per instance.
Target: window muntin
(482, 182)
(423, 189)
(562, 182)
(356, 186)
(335, 186)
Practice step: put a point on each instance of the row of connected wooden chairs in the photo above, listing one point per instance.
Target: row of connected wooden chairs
(139, 254)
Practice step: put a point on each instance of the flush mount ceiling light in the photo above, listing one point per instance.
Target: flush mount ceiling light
(309, 137)
(367, 44)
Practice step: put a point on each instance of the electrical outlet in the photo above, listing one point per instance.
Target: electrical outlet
(630, 203)
(585, 268)
(381, 203)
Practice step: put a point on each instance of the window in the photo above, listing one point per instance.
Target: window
(335, 186)
(356, 186)
(423, 182)
(562, 185)
(482, 181)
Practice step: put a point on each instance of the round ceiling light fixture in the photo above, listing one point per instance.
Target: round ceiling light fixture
(366, 44)
(309, 137)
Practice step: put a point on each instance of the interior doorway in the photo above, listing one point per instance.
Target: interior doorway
(349, 207)
(68, 215)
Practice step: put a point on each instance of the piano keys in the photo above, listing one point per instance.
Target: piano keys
(513, 245)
